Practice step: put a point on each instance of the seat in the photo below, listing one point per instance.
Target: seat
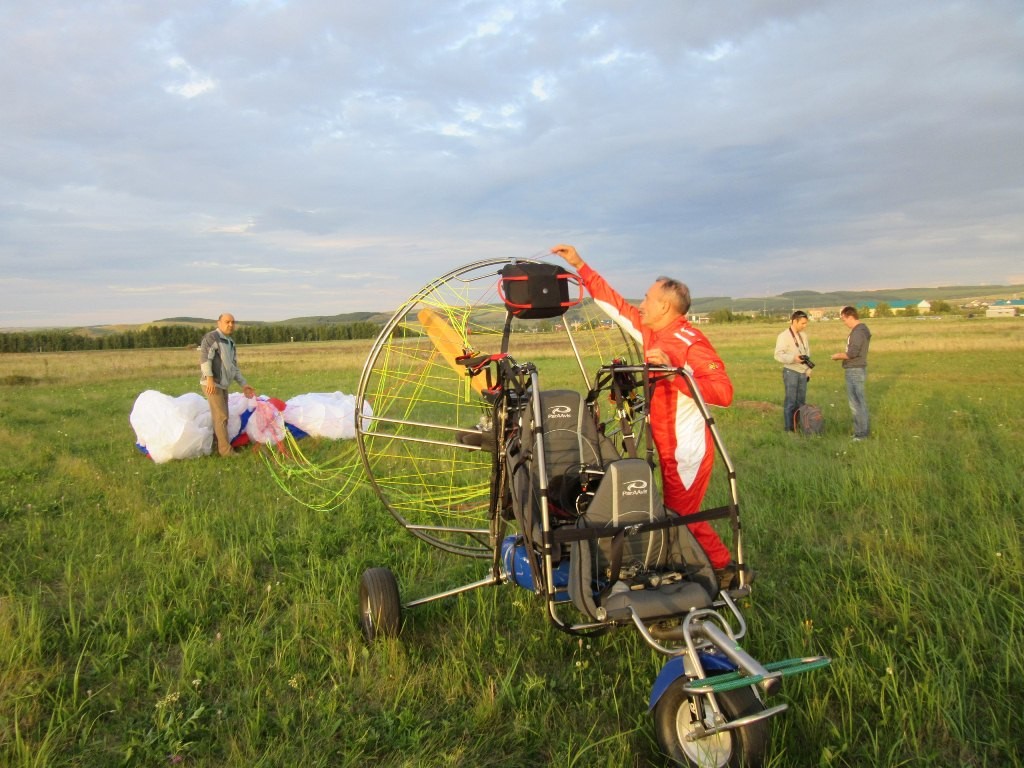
(571, 443)
(594, 495)
(661, 570)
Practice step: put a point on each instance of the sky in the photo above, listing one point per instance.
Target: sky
(285, 158)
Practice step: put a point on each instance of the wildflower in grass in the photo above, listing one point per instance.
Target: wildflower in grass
(535, 683)
(168, 701)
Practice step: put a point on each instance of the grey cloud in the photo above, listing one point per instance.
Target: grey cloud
(793, 144)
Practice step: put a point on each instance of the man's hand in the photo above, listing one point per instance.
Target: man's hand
(658, 357)
(209, 387)
(568, 253)
(248, 391)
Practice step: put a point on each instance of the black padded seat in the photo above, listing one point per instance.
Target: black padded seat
(663, 601)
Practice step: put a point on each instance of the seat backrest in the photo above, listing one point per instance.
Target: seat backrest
(628, 495)
(571, 442)
(570, 435)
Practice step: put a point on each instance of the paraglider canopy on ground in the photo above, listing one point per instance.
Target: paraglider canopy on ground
(168, 428)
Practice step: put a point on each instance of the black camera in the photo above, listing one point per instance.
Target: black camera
(806, 361)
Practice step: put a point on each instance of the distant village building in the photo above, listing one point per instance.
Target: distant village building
(1005, 308)
(699, 318)
(899, 306)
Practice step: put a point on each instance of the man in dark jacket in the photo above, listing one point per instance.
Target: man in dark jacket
(855, 366)
(218, 365)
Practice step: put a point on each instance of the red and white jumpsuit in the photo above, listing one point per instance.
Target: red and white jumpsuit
(680, 434)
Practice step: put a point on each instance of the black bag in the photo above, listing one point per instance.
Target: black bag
(537, 291)
(808, 420)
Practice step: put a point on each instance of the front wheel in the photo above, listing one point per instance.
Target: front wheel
(677, 715)
(380, 610)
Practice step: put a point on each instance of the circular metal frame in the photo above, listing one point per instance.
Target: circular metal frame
(417, 447)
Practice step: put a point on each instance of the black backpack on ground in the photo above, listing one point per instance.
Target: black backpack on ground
(808, 420)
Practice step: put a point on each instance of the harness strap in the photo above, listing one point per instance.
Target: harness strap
(569, 534)
(615, 564)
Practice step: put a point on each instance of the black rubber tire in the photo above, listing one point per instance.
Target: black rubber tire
(380, 609)
(743, 747)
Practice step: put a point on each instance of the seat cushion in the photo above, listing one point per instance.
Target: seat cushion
(664, 601)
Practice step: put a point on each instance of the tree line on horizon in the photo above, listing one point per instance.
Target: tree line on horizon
(183, 336)
(178, 336)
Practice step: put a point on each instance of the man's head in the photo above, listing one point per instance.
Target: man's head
(226, 323)
(798, 320)
(665, 301)
(849, 316)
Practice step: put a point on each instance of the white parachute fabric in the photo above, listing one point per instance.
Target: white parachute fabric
(172, 427)
(326, 414)
(238, 404)
(169, 427)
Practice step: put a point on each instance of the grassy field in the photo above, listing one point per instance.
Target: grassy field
(192, 613)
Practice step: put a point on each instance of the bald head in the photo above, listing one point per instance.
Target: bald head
(664, 303)
(226, 323)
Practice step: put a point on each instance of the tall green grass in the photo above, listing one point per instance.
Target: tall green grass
(193, 613)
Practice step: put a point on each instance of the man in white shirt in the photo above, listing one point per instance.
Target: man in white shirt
(793, 350)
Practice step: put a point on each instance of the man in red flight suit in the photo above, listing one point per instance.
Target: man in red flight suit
(680, 434)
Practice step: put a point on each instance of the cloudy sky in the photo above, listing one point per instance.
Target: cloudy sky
(278, 158)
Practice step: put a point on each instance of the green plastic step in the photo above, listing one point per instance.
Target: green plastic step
(734, 680)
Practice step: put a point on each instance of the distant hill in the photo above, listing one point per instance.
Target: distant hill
(784, 302)
(804, 299)
(347, 317)
(184, 321)
(207, 322)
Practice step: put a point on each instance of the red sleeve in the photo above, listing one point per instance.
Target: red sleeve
(709, 375)
(612, 304)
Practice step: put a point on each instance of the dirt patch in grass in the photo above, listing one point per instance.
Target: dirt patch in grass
(759, 406)
(20, 381)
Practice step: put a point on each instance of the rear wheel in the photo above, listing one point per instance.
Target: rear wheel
(676, 717)
(380, 610)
